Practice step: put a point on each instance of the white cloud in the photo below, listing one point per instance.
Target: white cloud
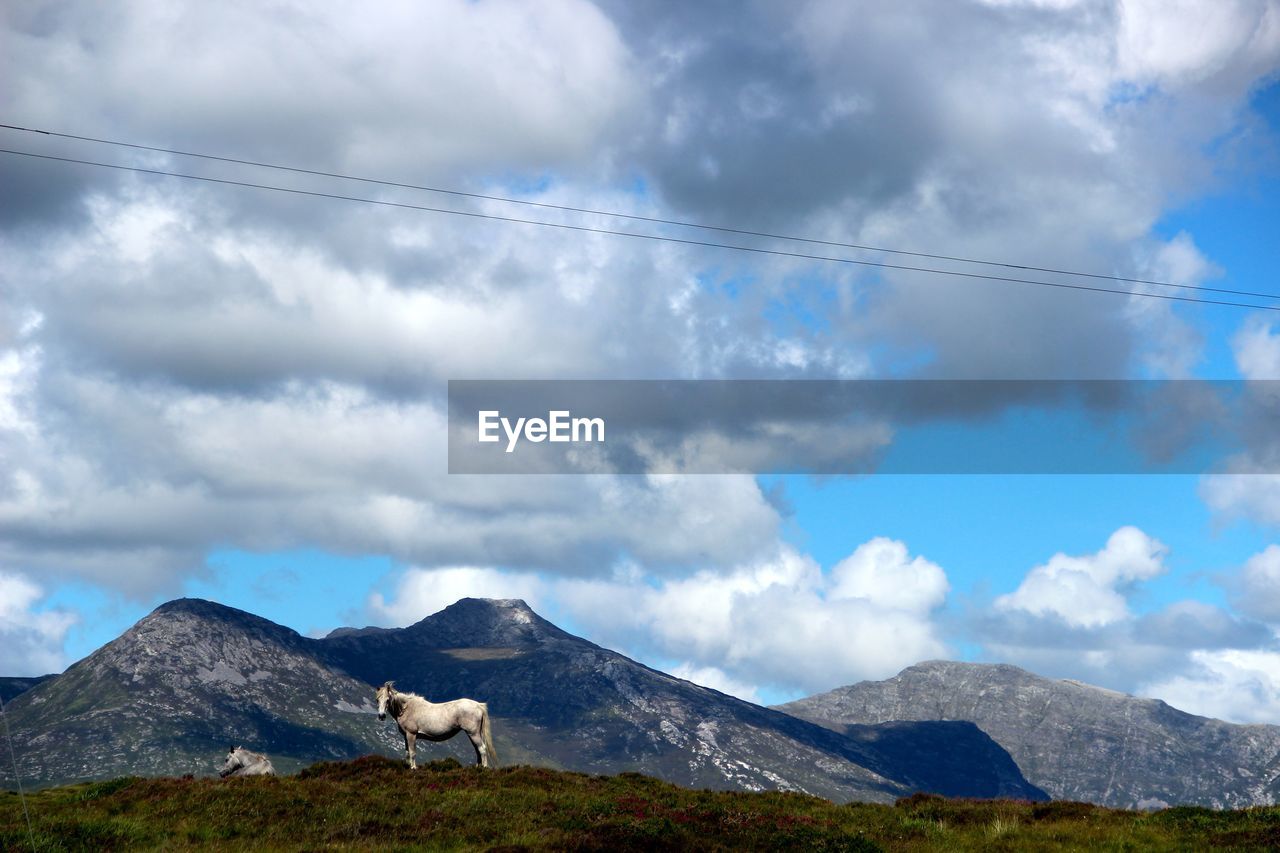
(710, 676)
(1088, 591)
(1176, 43)
(778, 622)
(1256, 347)
(1238, 685)
(1169, 346)
(882, 572)
(416, 88)
(31, 639)
(1248, 496)
(1257, 587)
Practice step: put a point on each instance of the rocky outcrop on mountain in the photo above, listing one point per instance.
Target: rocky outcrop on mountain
(1075, 741)
(174, 691)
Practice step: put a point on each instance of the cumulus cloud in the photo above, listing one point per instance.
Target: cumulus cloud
(1088, 591)
(1185, 43)
(883, 573)
(779, 622)
(400, 88)
(31, 637)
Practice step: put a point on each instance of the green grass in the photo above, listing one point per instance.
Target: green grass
(375, 803)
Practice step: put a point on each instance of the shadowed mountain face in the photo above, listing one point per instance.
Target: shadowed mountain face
(171, 694)
(1075, 741)
(11, 686)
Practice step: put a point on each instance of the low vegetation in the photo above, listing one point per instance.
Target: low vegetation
(374, 802)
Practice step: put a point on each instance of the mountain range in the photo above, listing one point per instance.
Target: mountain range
(170, 695)
(194, 677)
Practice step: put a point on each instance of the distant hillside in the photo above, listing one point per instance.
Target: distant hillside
(11, 686)
(374, 803)
(1075, 741)
(171, 694)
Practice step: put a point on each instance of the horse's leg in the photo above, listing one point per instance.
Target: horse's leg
(477, 741)
(478, 744)
(410, 742)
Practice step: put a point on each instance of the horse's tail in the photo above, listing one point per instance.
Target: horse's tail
(486, 733)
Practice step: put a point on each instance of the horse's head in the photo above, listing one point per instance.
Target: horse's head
(384, 697)
(235, 760)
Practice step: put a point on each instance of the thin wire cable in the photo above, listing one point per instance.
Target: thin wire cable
(641, 236)
(637, 217)
(17, 777)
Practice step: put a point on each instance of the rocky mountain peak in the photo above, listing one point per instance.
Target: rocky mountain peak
(486, 622)
(198, 618)
(951, 667)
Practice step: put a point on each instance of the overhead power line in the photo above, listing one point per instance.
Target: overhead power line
(643, 236)
(633, 216)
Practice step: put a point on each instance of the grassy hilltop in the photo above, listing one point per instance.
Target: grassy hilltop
(374, 803)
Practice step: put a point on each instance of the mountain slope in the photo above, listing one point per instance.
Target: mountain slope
(1073, 740)
(174, 691)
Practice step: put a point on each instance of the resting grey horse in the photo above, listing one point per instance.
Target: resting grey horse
(437, 721)
(242, 762)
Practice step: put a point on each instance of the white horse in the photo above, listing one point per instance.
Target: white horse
(434, 721)
(242, 762)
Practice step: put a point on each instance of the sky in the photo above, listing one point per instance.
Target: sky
(226, 392)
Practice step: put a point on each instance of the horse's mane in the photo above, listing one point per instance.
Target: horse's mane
(404, 694)
(401, 698)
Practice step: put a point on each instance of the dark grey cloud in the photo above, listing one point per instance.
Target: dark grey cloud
(744, 127)
(41, 194)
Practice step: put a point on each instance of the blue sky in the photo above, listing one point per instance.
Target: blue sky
(236, 395)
